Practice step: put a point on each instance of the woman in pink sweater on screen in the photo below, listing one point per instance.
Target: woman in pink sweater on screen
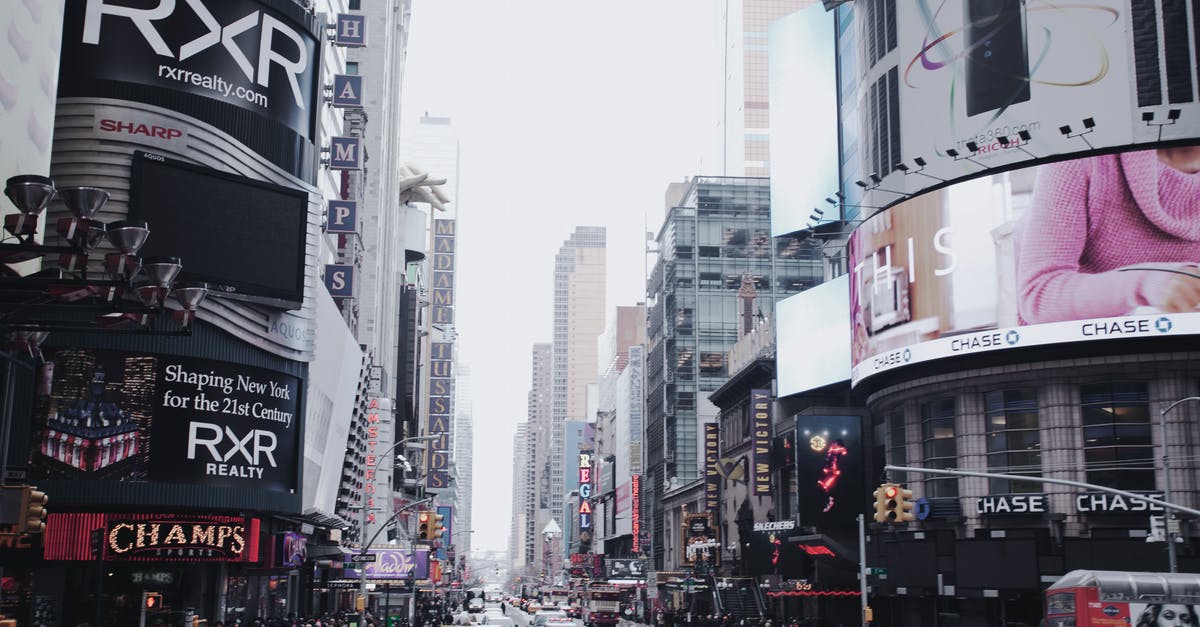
(1092, 217)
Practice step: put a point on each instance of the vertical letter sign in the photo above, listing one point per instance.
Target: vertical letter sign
(760, 425)
(339, 280)
(351, 30)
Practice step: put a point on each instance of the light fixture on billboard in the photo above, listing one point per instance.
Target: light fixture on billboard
(920, 162)
(957, 156)
(874, 184)
(841, 202)
(1023, 138)
(1172, 117)
(1089, 125)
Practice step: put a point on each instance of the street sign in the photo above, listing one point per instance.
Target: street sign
(363, 557)
(876, 571)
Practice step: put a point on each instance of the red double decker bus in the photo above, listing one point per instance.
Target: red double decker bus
(1107, 598)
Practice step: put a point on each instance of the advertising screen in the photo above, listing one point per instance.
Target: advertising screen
(119, 416)
(1081, 250)
(767, 550)
(802, 76)
(967, 86)
(830, 467)
(812, 338)
(243, 237)
(257, 56)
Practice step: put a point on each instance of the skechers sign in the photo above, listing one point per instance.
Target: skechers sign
(234, 51)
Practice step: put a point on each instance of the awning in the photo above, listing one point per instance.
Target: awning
(323, 551)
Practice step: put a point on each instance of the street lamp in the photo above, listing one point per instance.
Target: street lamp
(1166, 461)
(362, 529)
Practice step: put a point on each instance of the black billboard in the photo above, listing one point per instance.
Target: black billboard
(245, 238)
(119, 416)
(767, 551)
(830, 471)
(248, 67)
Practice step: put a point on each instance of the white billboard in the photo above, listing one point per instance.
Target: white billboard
(812, 338)
(969, 86)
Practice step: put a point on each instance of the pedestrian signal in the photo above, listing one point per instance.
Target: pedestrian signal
(152, 601)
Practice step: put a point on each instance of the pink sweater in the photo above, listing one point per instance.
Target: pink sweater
(1092, 216)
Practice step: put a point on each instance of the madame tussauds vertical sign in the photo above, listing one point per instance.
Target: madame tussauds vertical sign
(760, 426)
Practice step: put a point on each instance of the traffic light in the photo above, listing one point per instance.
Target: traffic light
(424, 528)
(436, 529)
(904, 506)
(33, 510)
(884, 496)
(152, 600)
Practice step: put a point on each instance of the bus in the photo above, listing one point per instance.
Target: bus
(1107, 598)
(603, 606)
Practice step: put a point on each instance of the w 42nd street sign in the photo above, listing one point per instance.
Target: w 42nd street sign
(363, 557)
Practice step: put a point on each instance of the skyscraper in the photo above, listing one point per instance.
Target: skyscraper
(579, 282)
(747, 125)
(522, 502)
(463, 435)
(715, 235)
(536, 476)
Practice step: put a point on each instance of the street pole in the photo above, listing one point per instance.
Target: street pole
(1172, 566)
(862, 567)
(362, 528)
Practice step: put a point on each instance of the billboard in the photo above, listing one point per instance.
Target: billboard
(119, 416)
(970, 86)
(120, 537)
(1081, 250)
(245, 238)
(767, 550)
(392, 564)
(255, 56)
(812, 338)
(803, 100)
(830, 471)
(624, 568)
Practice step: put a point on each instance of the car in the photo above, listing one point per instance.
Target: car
(555, 617)
(475, 605)
(533, 607)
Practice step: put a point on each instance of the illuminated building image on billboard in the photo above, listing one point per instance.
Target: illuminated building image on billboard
(119, 416)
(1081, 250)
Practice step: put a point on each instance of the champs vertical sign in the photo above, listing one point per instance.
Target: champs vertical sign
(441, 355)
(760, 426)
(712, 480)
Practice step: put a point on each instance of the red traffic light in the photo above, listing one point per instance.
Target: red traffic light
(153, 600)
(891, 492)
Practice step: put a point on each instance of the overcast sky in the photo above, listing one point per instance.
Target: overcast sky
(568, 113)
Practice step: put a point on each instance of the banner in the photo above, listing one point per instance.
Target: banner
(760, 429)
(117, 416)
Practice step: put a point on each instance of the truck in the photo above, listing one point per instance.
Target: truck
(603, 607)
(1106, 598)
(558, 597)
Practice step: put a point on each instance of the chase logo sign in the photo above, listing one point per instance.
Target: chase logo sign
(238, 52)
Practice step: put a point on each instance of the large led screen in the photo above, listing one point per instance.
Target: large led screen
(970, 85)
(244, 237)
(830, 470)
(812, 338)
(1089, 249)
(134, 417)
(802, 76)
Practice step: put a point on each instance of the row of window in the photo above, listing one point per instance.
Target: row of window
(1116, 430)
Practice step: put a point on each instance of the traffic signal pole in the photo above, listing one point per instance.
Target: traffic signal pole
(862, 566)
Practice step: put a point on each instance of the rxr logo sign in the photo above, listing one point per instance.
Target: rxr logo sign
(294, 64)
(223, 445)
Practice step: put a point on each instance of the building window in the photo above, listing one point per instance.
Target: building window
(1117, 447)
(1014, 443)
(939, 447)
(355, 5)
(897, 443)
(352, 67)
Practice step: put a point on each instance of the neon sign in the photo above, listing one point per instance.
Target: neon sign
(585, 491)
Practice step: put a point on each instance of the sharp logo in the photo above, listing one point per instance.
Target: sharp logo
(294, 64)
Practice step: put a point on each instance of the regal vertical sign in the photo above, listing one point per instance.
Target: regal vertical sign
(441, 355)
(712, 479)
(760, 427)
